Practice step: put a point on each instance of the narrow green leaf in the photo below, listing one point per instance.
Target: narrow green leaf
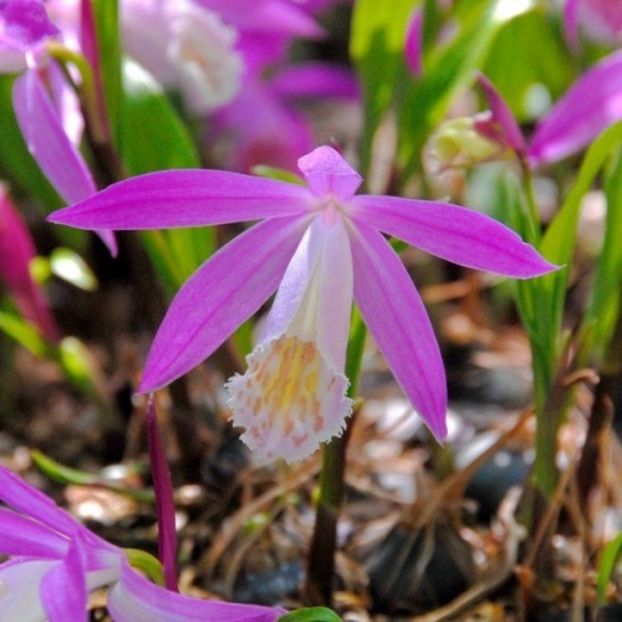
(24, 333)
(107, 23)
(147, 563)
(60, 473)
(155, 138)
(600, 318)
(377, 49)
(608, 561)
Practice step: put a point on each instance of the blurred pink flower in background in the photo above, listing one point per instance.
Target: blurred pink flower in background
(601, 20)
(16, 252)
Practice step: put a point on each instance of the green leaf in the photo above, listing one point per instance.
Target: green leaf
(60, 473)
(543, 61)
(311, 614)
(559, 241)
(606, 567)
(25, 333)
(424, 103)
(155, 138)
(600, 318)
(107, 23)
(281, 174)
(147, 563)
(377, 49)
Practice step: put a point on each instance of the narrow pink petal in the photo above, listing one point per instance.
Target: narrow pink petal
(327, 172)
(63, 589)
(219, 296)
(571, 18)
(20, 599)
(135, 599)
(506, 129)
(185, 198)
(24, 537)
(593, 103)
(41, 127)
(27, 500)
(16, 251)
(396, 317)
(315, 79)
(454, 233)
(413, 50)
(165, 506)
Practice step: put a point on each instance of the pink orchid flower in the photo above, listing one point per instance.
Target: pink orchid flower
(413, 49)
(16, 252)
(591, 104)
(318, 246)
(48, 130)
(55, 561)
(600, 19)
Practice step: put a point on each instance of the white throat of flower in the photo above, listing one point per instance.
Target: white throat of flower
(293, 394)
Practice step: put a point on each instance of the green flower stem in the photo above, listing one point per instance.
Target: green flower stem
(321, 562)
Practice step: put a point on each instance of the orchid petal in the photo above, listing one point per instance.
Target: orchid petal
(223, 293)
(276, 17)
(165, 505)
(184, 198)
(571, 19)
(20, 580)
(413, 50)
(593, 103)
(49, 145)
(293, 394)
(24, 537)
(135, 599)
(396, 317)
(315, 79)
(64, 590)
(454, 233)
(502, 117)
(24, 498)
(327, 172)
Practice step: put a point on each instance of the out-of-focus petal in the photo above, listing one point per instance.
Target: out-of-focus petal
(16, 251)
(505, 129)
(20, 599)
(58, 158)
(328, 173)
(24, 537)
(571, 18)
(266, 16)
(185, 198)
(135, 599)
(454, 233)
(315, 79)
(413, 50)
(24, 23)
(165, 505)
(63, 588)
(262, 129)
(396, 317)
(592, 103)
(223, 293)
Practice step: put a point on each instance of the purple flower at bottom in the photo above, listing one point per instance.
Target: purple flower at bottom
(319, 246)
(55, 561)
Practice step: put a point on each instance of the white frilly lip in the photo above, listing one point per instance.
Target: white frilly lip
(293, 394)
